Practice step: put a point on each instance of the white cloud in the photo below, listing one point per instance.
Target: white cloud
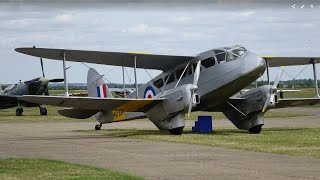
(182, 19)
(246, 13)
(64, 17)
(19, 23)
(146, 29)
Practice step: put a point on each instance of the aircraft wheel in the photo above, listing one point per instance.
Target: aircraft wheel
(176, 131)
(43, 111)
(97, 127)
(19, 111)
(255, 129)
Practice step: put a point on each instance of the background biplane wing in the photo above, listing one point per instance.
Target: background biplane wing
(292, 102)
(145, 61)
(290, 61)
(92, 103)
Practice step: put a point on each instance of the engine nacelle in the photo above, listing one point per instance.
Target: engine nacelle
(169, 114)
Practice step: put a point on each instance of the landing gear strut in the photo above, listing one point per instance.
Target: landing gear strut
(98, 126)
(43, 111)
(19, 111)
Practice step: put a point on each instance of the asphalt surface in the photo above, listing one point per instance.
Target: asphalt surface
(155, 160)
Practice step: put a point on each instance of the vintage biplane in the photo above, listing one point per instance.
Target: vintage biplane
(210, 81)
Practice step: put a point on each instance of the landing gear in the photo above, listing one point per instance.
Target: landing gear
(19, 111)
(176, 131)
(255, 129)
(43, 111)
(98, 126)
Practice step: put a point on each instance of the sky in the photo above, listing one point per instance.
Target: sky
(289, 28)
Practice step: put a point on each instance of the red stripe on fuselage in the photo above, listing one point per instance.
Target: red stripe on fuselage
(104, 86)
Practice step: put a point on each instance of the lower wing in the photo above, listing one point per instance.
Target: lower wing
(292, 102)
(92, 103)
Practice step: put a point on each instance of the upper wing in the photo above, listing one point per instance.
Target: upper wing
(145, 61)
(289, 61)
(291, 102)
(91, 103)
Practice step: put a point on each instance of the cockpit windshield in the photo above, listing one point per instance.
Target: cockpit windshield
(229, 54)
(9, 88)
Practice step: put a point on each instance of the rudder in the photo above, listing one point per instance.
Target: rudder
(96, 85)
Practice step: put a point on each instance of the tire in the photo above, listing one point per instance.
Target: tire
(97, 127)
(19, 111)
(255, 129)
(176, 131)
(43, 112)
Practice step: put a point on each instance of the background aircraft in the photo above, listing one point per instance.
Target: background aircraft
(37, 86)
(210, 81)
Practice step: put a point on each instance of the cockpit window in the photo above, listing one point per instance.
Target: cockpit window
(239, 51)
(231, 56)
(208, 62)
(9, 88)
(221, 55)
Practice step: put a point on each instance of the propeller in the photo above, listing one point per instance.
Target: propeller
(56, 80)
(273, 89)
(45, 81)
(42, 67)
(194, 86)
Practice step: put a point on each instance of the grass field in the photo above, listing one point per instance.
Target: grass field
(50, 169)
(290, 141)
(33, 115)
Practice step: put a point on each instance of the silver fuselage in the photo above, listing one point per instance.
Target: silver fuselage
(218, 82)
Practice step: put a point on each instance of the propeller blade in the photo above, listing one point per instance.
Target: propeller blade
(56, 80)
(195, 86)
(190, 106)
(196, 74)
(273, 89)
(42, 67)
(266, 103)
(277, 80)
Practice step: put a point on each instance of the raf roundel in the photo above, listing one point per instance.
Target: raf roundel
(149, 92)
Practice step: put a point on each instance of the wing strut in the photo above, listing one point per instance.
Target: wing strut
(124, 83)
(65, 74)
(267, 63)
(313, 61)
(135, 76)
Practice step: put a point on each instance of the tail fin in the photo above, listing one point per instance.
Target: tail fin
(98, 88)
(96, 85)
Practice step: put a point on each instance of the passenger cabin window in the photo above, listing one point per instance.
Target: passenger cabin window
(179, 72)
(221, 55)
(171, 78)
(189, 70)
(158, 83)
(208, 62)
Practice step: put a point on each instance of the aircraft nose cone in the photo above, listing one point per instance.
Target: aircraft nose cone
(44, 82)
(263, 63)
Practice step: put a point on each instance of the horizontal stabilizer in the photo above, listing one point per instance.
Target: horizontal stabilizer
(93, 103)
(77, 113)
